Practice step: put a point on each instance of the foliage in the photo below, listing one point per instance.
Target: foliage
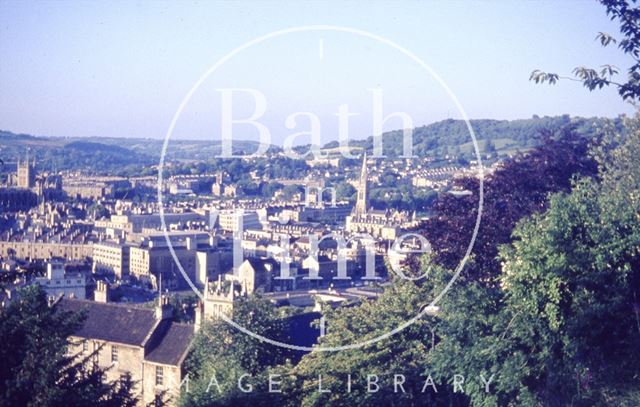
(289, 191)
(222, 353)
(402, 197)
(625, 12)
(452, 137)
(346, 191)
(405, 353)
(518, 188)
(269, 189)
(36, 368)
(563, 326)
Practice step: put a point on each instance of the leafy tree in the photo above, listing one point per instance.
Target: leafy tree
(625, 12)
(344, 190)
(36, 367)
(404, 354)
(98, 211)
(224, 354)
(518, 188)
(489, 148)
(289, 191)
(563, 328)
(246, 187)
(269, 189)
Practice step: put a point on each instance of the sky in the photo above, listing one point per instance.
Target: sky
(122, 69)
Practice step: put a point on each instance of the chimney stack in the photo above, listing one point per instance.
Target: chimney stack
(163, 309)
(101, 294)
(199, 314)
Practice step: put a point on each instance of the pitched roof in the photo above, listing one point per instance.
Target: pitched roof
(173, 346)
(263, 264)
(167, 342)
(113, 322)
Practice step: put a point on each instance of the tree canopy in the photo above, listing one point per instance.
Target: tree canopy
(36, 367)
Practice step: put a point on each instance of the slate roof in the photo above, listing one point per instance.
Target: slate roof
(260, 264)
(113, 322)
(173, 346)
(167, 342)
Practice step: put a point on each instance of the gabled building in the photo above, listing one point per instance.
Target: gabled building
(256, 274)
(143, 342)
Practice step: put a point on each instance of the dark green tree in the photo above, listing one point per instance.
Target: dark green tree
(36, 368)
(344, 190)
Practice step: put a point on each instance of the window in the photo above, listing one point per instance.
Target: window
(159, 375)
(85, 346)
(114, 353)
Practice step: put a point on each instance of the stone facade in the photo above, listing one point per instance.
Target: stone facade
(111, 258)
(141, 342)
(38, 250)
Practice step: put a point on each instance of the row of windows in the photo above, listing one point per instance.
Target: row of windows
(114, 352)
(57, 282)
(114, 359)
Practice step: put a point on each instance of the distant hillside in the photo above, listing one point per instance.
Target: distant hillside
(87, 147)
(130, 155)
(187, 150)
(451, 137)
(107, 155)
(62, 154)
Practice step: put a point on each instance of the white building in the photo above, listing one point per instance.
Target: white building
(58, 282)
(230, 220)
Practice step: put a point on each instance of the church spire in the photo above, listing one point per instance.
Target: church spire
(362, 203)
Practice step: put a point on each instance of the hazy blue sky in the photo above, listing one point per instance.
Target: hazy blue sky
(121, 69)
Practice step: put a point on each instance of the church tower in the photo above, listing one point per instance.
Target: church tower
(362, 203)
(26, 173)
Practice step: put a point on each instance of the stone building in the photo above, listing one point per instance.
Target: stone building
(43, 250)
(143, 342)
(154, 257)
(381, 224)
(220, 189)
(111, 258)
(207, 264)
(148, 262)
(256, 274)
(59, 282)
(218, 300)
(362, 201)
(17, 199)
(26, 174)
(233, 220)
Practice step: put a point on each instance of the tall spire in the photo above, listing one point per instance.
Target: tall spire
(362, 203)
